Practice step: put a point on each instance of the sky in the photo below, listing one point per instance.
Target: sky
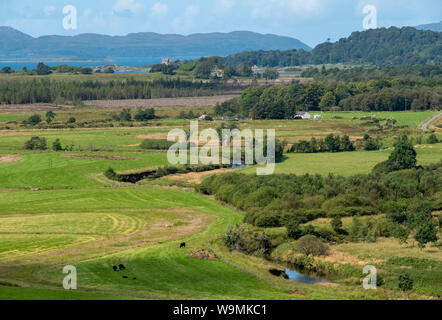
(311, 21)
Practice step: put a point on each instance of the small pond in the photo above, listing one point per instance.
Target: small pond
(306, 278)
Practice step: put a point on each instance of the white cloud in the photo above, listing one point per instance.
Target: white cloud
(224, 6)
(192, 11)
(160, 9)
(127, 6)
(49, 10)
(188, 19)
(286, 8)
(87, 12)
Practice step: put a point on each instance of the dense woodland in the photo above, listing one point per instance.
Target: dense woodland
(282, 102)
(381, 47)
(369, 73)
(47, 90)
(406, 193)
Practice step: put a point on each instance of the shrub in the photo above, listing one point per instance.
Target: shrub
(432, 139)
(401, 233)
(125, 115)
(405, 282)
(36, 143)
(72, 120)
(425, 234)
(56, 146)
(403, 157)
(145, 115)
(293, 230)
(34, 119)
(111, 174)
(336, 223)
(155, 144)
(310, 245)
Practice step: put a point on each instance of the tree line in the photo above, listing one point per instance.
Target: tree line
(282, 102)
(381, 47)
(371, 73)
(48, 90)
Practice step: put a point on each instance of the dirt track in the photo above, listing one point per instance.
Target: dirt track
(427, 124)
(9, 158)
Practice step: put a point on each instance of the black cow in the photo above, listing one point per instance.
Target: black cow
(125, 277)
(115, 268)
(182, 245)
(122, 267)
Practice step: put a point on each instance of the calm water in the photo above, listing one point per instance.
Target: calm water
(18, 64)
(303, 277)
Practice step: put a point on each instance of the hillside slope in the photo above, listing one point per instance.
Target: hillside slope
(382, 47)
(13, 43)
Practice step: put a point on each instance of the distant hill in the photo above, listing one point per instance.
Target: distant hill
(16, 44)
(381, 47)
(432, 26)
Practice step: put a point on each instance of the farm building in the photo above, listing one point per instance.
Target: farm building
(303, 115)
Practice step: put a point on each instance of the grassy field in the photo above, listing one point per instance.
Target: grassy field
(57, 209)
(346, 163)
(405, 118)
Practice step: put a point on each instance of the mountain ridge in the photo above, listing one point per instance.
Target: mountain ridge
(14, 43)
(431, 26)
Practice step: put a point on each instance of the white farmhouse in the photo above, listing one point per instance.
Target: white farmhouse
(317, 117)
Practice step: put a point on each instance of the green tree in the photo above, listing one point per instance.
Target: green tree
(328, 101)
(72, 120)
(419, 213)
(333, 143)
(405, 282)
(145, 114)
(34, 119)
(336, 223)
(346, 144)
(50, 116)
(401, 233)
(126, 115)
(311, 245)
(426, 233)
(432, 139)
(403, 155)
(56, 145)
(371, 145)
(36, 143)
(293, 230)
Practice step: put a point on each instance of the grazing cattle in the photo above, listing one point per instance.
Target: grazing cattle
(135, 278)
(125, 277)
(115, 268)
(182, 245)
(122, 267)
